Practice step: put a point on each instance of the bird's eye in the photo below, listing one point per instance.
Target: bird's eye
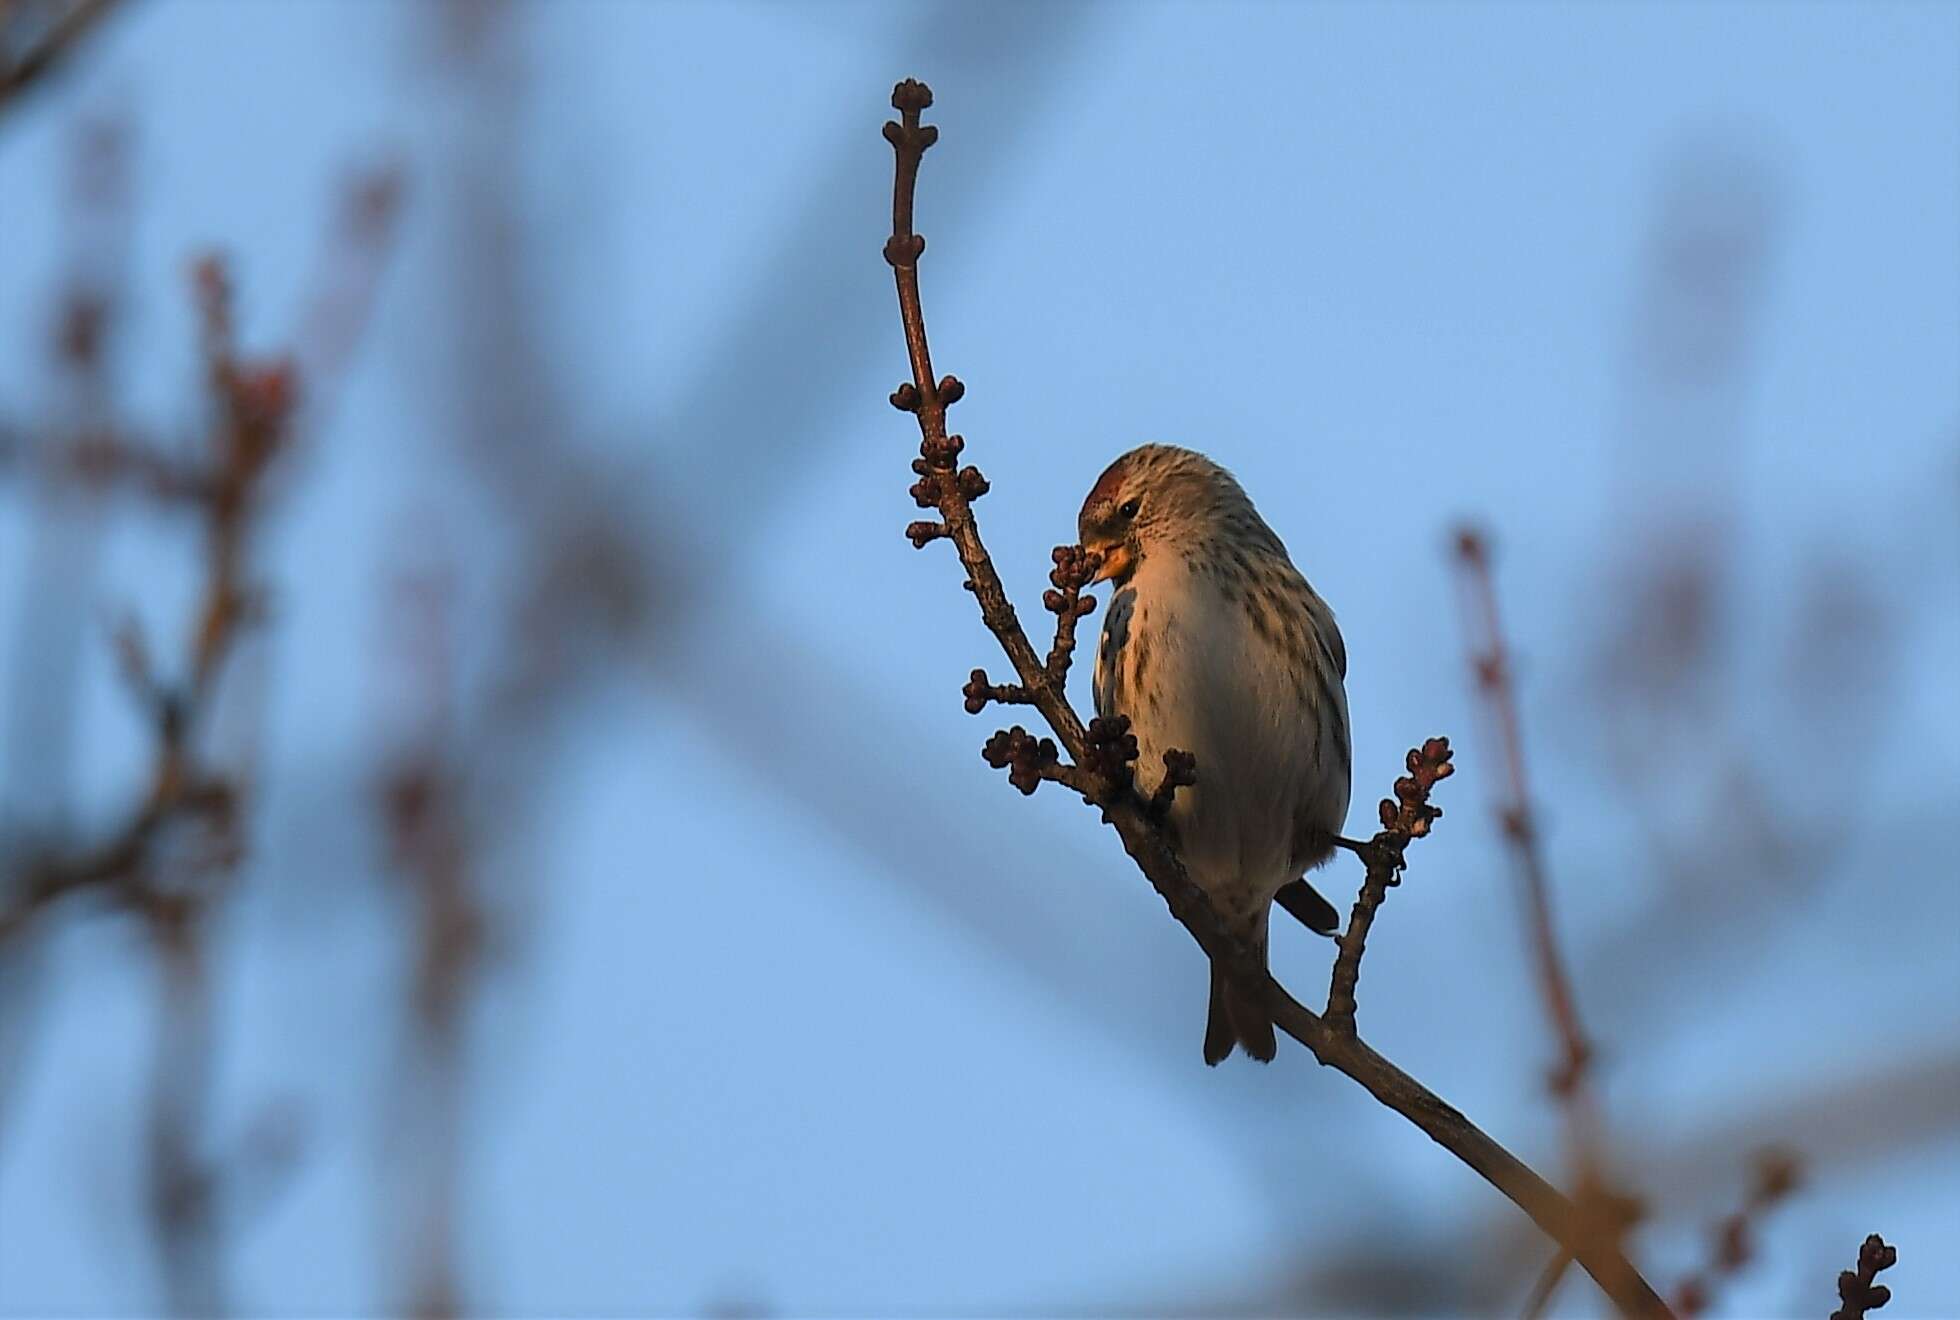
(1129, 509)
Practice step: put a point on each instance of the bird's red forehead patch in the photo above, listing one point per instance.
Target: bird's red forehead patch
(1108, 483)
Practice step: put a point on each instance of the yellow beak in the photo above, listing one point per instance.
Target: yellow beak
(1115, 563)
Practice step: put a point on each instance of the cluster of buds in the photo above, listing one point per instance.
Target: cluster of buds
(1856, 1288)
(978, 692)
(257, 399)
(1110, 749)
(937, 466)
(1180, 771)
(1409, 812)
(1026, 759)
(911, 137)
(1074, 566)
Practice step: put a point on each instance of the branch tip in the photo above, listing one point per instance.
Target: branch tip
(911, 96)
(978, 692)
(1180, 771)
(1857, 1289)
(1027, 759)
(1406, 816)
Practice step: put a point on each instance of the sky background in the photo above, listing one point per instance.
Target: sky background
(796, 1006)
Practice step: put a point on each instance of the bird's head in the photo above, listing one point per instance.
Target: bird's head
(1153, 499)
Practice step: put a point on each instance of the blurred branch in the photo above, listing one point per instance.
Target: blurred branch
(1605, 1212)
(183, 1181)
(1490, 662)
(419, 793)
(952, 490)
(178, 847)
(1732, 1243)
(252, 405)
(64, 553)
(38, 36)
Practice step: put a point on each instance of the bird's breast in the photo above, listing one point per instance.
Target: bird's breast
(1241, 679)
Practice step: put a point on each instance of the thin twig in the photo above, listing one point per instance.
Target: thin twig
(183, 1181)
(253, 405)
(1492, 666)
(1130, 816)
(1857, 1290)
(1732, 1243)
(1605, 1212)
(421, 796)
(1406, 816)
(53, 48)
(1546, 1288)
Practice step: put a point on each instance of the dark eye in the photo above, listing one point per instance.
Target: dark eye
(1129, 509)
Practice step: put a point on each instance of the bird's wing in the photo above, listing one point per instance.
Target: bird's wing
(1329, 634)
(1115, 636)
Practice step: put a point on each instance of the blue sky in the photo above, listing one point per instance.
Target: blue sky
(755, 1045)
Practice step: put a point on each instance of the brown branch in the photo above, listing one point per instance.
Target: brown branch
(1405, 817)
(1491, 664)
(184, 1182)
(1732, 1243)
(1604, 1211)
(52, 48)
(421, 792)
(253, 405)
(1128, 814)
(1856, 1288)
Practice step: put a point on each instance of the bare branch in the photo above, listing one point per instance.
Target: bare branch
(43, 51)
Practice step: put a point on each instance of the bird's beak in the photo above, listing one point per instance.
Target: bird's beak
(1116, 561)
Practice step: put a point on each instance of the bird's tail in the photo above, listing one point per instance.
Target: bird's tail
(1237, 1018)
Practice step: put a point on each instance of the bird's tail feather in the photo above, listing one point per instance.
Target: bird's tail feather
(1237, 1018)
(1309, 908)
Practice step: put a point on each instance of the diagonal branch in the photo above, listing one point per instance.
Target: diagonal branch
(47, 49)
(1606, 1212)
(950, 490)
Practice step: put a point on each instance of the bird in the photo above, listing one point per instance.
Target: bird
(1216, 645)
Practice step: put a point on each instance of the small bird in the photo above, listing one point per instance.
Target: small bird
(1214, 644)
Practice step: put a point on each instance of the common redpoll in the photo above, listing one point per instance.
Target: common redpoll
(1214, 644)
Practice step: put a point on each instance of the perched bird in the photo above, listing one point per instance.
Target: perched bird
(1214, 644)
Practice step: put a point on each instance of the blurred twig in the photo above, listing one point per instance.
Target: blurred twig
(1033, 760)
(252, 405)
(183, 1180)
(1605, 1212)
(38, 36)
(420, 799)
(173, 855)
(1732, 1243)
